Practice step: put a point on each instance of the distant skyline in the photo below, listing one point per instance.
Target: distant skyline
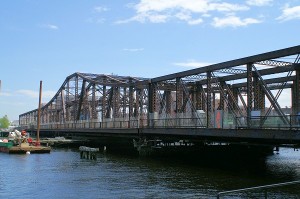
(51, 39)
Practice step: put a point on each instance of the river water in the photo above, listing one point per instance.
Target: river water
(62, 174)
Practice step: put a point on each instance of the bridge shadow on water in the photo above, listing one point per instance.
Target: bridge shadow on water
(215, 168)
(224, 157)
(203, 170)
(243, 160)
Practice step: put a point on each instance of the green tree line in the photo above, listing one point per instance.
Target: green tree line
(4, 122)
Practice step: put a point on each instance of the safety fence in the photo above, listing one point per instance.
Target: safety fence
(228, 122)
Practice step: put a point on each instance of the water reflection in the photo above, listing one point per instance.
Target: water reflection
(62, 174)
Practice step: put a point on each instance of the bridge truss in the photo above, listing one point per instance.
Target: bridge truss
(239, 93)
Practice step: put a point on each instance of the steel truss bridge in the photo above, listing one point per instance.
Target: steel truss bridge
(232, 101)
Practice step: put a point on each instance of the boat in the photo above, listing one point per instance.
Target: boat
(5, 146)
(20, 143)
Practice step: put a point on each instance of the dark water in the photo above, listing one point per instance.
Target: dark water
(62, 174)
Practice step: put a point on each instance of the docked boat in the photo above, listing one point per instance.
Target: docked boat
(19, 143)
(5, 146)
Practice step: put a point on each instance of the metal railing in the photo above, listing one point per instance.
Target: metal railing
(265, 187)
(273, 122)
(228, 122)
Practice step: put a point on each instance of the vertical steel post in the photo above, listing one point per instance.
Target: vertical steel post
(296, 96)
(297, 90)
(116, 101)
(75, 111)
(150, 97)
(201, 98)
(124, 101)
(249, 93)
(67, 101)
(103, 115)
(222, 96)
(209, 101)
(168, 102)
(93, 103)
(131, 99)
(39, 114)
(152, 105)
(179, 96)
(138, 97)
(63, 106)
(256, 92)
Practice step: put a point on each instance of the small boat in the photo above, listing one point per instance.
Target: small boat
(18, 143)
(5, 146)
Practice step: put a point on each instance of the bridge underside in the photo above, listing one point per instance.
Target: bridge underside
(227, 101)
(268, 137)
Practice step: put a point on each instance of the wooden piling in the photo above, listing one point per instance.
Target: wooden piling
(88, 153)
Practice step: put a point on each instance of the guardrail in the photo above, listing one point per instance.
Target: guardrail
(258, 187)
(271, 122)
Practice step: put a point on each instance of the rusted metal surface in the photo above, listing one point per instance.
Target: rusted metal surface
(237, 90)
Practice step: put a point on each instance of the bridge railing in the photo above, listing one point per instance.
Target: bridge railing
(271, 122)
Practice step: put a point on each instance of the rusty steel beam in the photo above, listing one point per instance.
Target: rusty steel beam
(237, 62)
(194, 90)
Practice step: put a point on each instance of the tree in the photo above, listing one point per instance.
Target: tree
(4, 122)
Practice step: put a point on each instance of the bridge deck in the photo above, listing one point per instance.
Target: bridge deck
(246, 136)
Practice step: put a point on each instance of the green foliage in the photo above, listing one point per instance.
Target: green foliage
(4, 122)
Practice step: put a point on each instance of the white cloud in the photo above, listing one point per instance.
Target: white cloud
(189, 11)
(50, 26)
(192, 64)
(35, 94)
(100, 9)
(95, 20)
(233, 21)
(259, 2)
(186, 16)
(226, 7)
(133, 49)
(200, 6)
(158, 18)
(195, 22)
(289, 13)
(5, 94)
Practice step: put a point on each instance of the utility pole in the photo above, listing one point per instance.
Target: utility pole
(39, 116)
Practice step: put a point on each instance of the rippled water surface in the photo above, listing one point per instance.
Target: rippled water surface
(62, 174)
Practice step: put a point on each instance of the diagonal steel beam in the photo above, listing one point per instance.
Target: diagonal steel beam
(238, 62)
(271, 97)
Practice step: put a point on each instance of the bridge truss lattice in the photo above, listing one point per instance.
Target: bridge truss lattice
(236, 91)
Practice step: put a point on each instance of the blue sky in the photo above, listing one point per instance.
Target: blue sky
(50, 39)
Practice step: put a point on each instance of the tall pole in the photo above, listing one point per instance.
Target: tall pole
(39, 115)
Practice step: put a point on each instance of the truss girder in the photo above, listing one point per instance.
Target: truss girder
(87, 96)
(271, 97)
(274, 63)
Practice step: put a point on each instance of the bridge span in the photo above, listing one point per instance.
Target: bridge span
(236, 101)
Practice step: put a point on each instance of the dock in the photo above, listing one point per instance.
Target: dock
(28, 149)
(61, 141)
(23, 148)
